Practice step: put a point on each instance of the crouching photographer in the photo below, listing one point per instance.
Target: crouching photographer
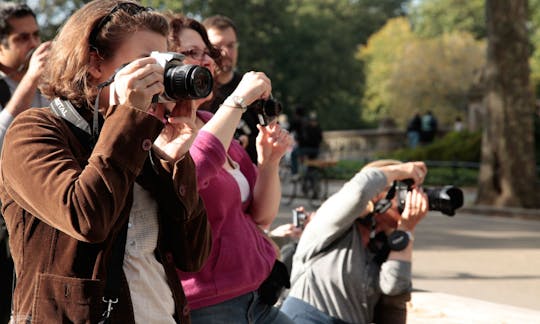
(353, 260)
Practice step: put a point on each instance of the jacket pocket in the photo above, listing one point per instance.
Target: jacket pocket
(61, 299)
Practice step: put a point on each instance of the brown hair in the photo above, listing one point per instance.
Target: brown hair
(107, 22)
(179, 22)
(220, 22)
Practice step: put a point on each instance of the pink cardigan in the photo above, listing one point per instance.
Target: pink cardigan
(241, 256)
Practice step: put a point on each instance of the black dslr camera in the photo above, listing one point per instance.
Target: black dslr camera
(182, 81)
(267, 110)
(445, 199)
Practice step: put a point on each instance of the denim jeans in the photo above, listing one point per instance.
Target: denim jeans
(303, 313)
(246, 309)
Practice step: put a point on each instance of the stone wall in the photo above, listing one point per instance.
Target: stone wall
(361, 144)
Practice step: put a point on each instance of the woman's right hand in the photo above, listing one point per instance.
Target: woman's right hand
(137, 82)
(253, 86)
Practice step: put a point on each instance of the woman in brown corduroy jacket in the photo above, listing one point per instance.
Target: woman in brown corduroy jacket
(65, 199)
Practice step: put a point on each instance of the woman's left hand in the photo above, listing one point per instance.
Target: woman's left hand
(272, 143)
(178, 134)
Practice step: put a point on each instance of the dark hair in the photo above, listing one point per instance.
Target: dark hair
(9, 10)
(219, 22)
(109, 22)
(179, 22)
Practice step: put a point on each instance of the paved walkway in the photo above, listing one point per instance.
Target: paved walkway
(474, 267)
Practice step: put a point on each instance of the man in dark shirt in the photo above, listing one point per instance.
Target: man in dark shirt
(222, 33)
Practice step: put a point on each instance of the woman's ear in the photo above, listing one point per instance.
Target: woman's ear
(95, 65)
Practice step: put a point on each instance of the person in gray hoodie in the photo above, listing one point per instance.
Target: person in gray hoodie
(344, 265)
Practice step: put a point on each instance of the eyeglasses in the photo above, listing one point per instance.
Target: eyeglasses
(196, 53)
(127, 7)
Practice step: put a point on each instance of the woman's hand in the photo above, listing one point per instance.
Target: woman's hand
(287, 230)
(178, 134)
(272, 143)
(136, 83)
(253, 86)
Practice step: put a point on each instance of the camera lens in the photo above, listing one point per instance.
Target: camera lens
(187, 82)
(446, 199)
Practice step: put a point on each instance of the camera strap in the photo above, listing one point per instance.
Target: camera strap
(65, 109)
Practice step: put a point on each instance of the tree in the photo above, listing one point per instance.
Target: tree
(508, 168)
(405, 74)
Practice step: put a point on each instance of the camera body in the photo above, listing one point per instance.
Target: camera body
(182, 81)
(299, 218)
(267, 110)
(445, 199)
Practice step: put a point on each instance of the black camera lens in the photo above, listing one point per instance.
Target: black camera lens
(187, 82)
(446, 199)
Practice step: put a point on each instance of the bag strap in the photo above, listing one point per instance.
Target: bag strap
(114, 273)
(81, 129)
(5, 93)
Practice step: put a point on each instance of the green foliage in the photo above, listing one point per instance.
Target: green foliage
(437, 17)
(454, 146)
(307, 48)
(446, 158)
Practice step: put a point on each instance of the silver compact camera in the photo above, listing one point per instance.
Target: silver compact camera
(182, 81)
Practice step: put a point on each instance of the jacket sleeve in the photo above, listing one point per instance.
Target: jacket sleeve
(45, 172)
(184, 223)
(338, 213)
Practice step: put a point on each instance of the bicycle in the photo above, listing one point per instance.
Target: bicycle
(310, 183)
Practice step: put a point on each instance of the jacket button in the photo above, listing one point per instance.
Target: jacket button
(147, 145)
(182, 190)
(186, 310)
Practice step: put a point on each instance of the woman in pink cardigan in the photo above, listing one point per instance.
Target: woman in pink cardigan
(240, 198)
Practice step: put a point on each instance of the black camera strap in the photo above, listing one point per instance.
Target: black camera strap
(80, 127)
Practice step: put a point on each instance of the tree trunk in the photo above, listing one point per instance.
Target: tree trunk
(508, 168)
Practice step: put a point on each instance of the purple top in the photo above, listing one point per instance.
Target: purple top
(241, 256)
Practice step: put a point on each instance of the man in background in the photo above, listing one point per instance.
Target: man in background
(223, 35)
(22, 59)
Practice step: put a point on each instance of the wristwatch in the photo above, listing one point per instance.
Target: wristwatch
(237, 102)
(398, 240)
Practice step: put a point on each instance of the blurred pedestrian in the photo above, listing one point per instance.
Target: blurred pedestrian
(413, 130)
(428, 128)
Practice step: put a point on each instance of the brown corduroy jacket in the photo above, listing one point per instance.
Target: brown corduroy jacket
(65, 203)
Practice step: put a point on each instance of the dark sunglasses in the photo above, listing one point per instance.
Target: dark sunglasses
(127, 7)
